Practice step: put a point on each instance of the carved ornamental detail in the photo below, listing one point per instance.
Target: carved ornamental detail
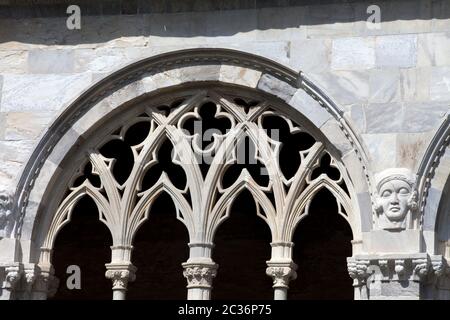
(199, 275)
(396, 199)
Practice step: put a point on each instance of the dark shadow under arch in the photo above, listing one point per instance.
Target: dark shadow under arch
(322, 242)
(160, 247)
(84, 242)
(242, 247)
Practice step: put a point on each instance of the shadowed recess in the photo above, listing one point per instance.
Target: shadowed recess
(84, 242)
(322, 244)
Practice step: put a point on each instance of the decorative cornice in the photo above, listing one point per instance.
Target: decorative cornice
(416, 267)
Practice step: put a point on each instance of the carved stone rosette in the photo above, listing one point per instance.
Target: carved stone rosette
(199, 275)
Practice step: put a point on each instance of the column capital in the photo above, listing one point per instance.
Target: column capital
(13, 275)
(199, 274)
(358, 270)
(281, 272)
(120, 274)
(44, 281)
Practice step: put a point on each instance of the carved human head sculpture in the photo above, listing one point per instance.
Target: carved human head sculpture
(395, 198)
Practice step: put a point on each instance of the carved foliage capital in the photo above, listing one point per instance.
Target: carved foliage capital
(281, 274)
(357, 269)
(120, 275)
(12, 277)
(199, 275)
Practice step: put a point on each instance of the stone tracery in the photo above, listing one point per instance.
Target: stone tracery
(165, 135)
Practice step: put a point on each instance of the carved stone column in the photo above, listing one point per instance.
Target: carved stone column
(281, 268)
(120, 271)
(199, 271)
(357, 269)
(281, 273)
(120, 274)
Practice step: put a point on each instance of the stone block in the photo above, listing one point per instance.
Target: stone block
(276, 87)
(344, 87)
(384, 85)
(357, 117)
(440, 84)
(410, 149)
(415, 84)
(50, 61)
(424, 116)
(407, 241)
(336, 136)
(381, 149)
(2, 125)
(239, 76)
(309, 108)
(41, 92)
(396, 51)
(13, 61)
(384, 117)
(310, 55)
(26, 125)
(353, 53)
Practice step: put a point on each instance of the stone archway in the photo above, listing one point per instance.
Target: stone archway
(221, 76)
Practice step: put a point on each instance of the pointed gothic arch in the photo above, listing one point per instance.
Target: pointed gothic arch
(191, 75)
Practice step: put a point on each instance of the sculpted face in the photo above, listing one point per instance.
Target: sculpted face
(394, 196)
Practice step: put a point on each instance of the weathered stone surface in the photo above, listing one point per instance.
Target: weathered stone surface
(384, 117)
(310, 55)
(13, 61)
(410, 148)
(26, 125)
(424, 116)
(2, 125)
(440, 84)
(415, 84)
(344, 87)
(310, 108)
(353, 53)
(51, 61)
(41, 92)
(396, 51)
(357, 116)
(240, 76)
(13, 154)
(382, 150)
(384, 85)
(276, 87)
